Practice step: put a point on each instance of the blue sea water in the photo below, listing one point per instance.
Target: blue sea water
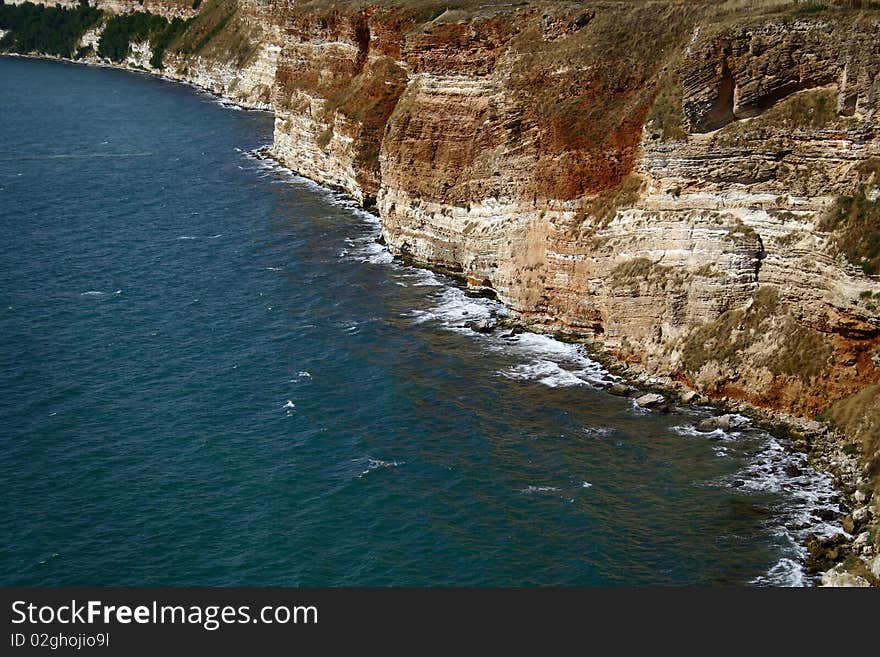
(212, 374)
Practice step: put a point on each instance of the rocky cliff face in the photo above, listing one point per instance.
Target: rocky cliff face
(693, 192)
(690, 187)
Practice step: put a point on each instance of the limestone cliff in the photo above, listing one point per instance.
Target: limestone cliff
(690, 187)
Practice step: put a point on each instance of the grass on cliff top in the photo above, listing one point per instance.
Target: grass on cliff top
(48, 30)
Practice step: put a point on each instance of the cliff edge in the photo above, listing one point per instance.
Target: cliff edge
(691, 188)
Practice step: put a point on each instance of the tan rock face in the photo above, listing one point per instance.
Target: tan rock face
(513, 147)
(742, 72)
(695, 193)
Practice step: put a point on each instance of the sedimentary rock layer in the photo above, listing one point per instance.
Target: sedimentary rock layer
(692, 189)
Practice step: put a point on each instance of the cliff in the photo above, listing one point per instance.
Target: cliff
(692, 188)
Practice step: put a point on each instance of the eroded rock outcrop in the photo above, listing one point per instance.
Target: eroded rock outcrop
(697, 193)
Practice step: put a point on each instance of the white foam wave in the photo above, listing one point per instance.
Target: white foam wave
(786, 572)
(424, 278)
(690, 431)
(531, 490)
(554, 363)
(454, 308)
(376, 464)
(547, 373)
(808, 501)
(367, 249)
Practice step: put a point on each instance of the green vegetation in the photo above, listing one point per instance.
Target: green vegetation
(741, 231)
(605, 205)
(804, 353)
(633, 274)
(211, 20)
(637, 268)
(807, 8)
(125, 29)
(219, 32)
(324, 138)
(869, 298)
(665, 116)
(855, 224)
(859, 416)
(175, 29)
(813, 109)
(47, 30)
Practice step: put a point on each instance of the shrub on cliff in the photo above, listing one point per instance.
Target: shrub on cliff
(123, 30)
(45, 30)
(137, 27)
(165, 38)
(855, 221)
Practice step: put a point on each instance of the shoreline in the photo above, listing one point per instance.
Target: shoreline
(823, 445)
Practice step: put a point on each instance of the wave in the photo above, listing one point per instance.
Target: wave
(530, 490)
(554, 363)
(377, 464)
(807, 496)
(453, 308)
(807, 501)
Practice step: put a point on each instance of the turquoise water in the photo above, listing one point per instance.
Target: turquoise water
(211, 373)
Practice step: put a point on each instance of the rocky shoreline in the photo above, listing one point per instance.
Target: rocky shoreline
(846, 560)
(849, 559)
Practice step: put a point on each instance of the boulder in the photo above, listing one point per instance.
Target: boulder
(713, 423)
(619, 389)
(823, 551)
(861, 516)
(482, 325)
(691, 397)
(837, 577)
(654, 402)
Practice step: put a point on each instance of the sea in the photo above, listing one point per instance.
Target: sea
(212, 373)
